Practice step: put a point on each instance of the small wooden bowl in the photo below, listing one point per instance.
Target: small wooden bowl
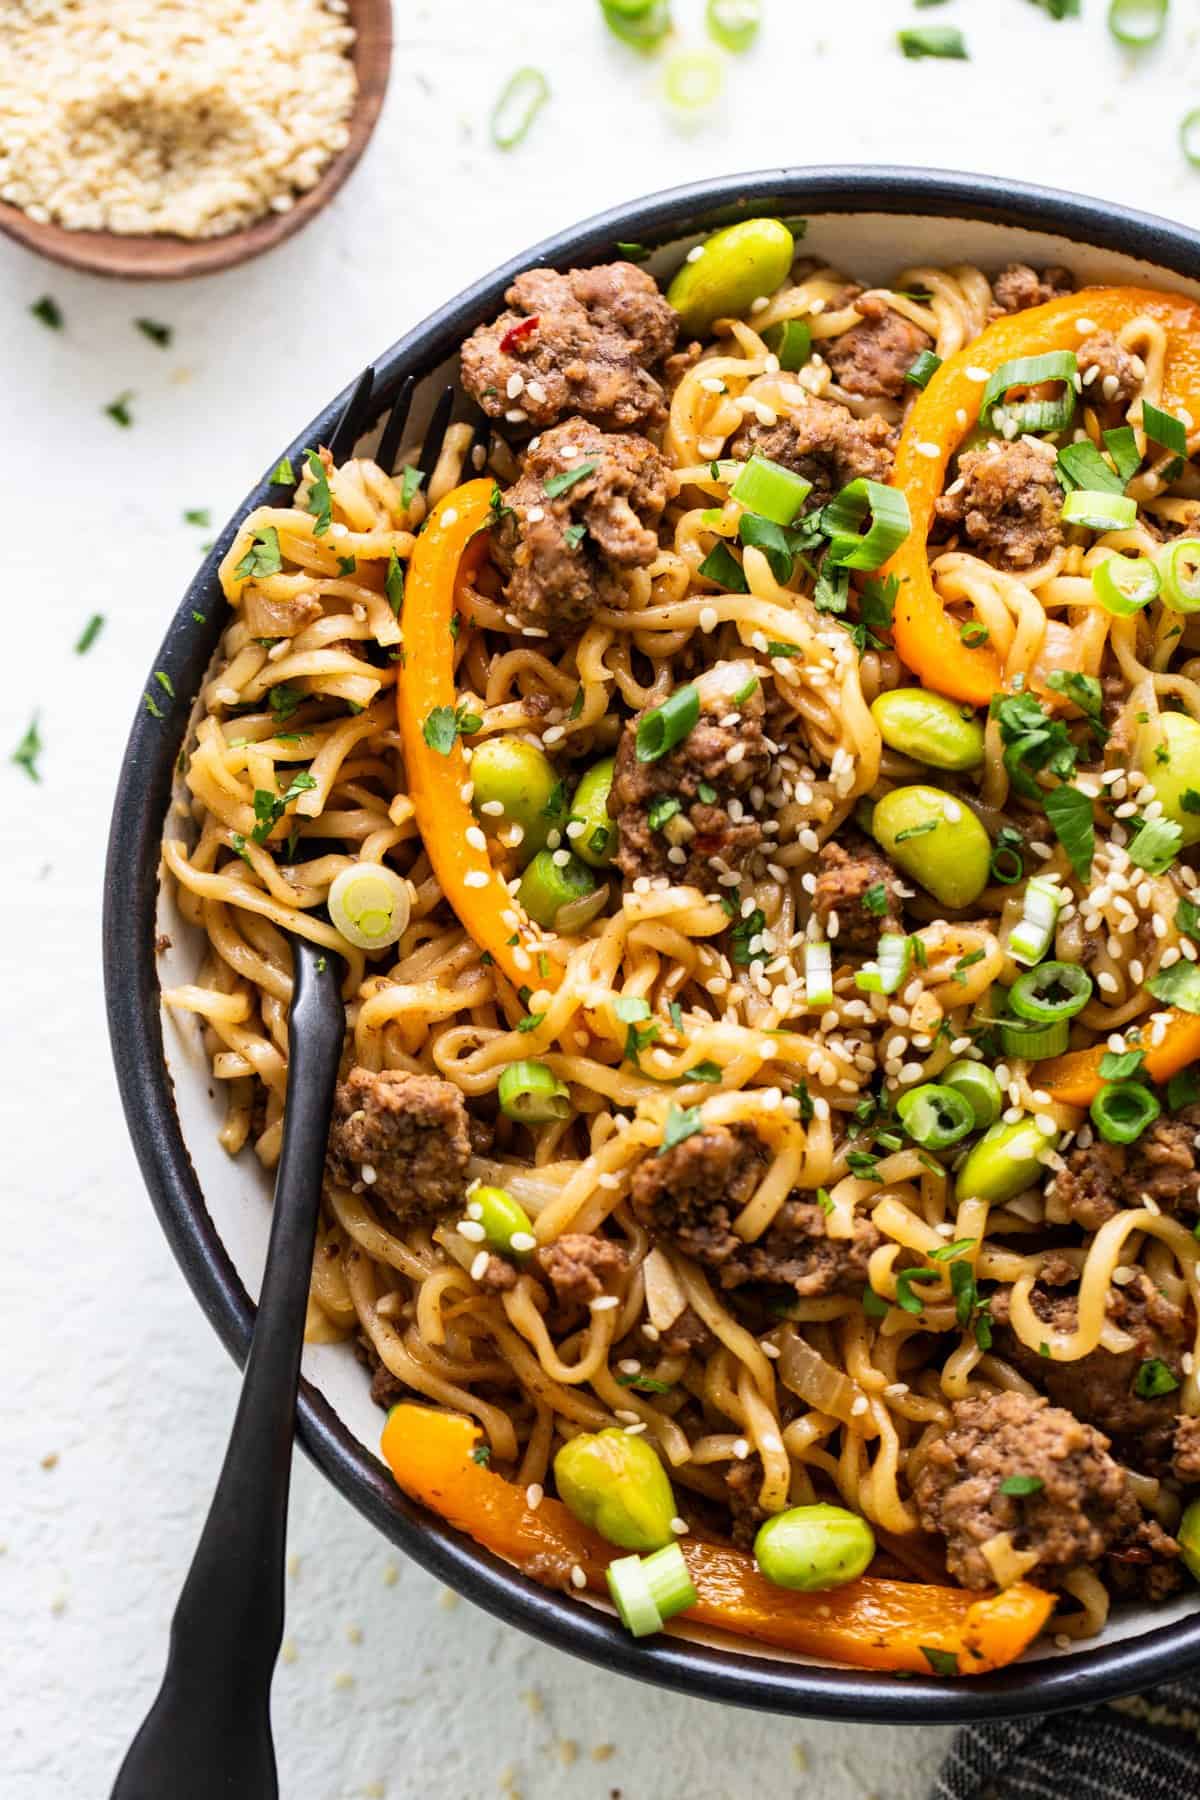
(166, 258)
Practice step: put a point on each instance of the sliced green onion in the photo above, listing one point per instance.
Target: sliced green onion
(664, 726)
(692, 81)
(1031, 415)
(1033, 1042)
(546, 885)
(649, 1590)
(1124, 584)
(1099, 511)
(531, 1093)
(1030, 937)
(1189, 136)
(935, 1116)
(1084, 467)
(923, 369)
(1137, 23)
(768, 489)
(933, 40)
(1164, 428)
(1054, 990)
(642, 23)
(521, 100)
(791, 342)
(723, 567)
(734, 24)
(1121, 445)
(818, 974)
(843, 518)
(1179, 567)
(979, 1088)
(888, 972)
(1122, 1110)
(369, 904)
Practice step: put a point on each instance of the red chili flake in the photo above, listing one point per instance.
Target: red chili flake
(516, 334)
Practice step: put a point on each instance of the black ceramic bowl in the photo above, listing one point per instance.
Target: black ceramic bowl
(870, 221)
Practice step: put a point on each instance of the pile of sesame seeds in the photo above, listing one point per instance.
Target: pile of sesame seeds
(162, 116)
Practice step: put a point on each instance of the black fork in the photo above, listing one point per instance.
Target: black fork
(208, 1734)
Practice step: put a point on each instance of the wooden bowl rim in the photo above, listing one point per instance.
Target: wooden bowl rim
(164, 257)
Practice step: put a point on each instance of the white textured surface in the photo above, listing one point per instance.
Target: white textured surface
(109, 1367)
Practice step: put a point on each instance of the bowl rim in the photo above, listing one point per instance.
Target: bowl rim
(132, 996)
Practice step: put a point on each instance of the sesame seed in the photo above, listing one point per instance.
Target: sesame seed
(522, 1242)
(479, 1266)
(475, 878)
(605, 1303)
(771, 1441)
(578, 1578)
(472, 1230)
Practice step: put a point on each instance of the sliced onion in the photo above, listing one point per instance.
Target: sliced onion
(825, 1388)
(577, 913)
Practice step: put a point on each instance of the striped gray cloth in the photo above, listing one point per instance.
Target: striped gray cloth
(1145, 1748)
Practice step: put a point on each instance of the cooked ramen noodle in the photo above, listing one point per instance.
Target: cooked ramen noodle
(751, 791)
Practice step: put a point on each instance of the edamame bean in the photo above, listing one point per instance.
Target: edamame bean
(813, 1547)
(616, 1484)
(521, 780)
(929, 728)
(1178, 736)
(733, 269)
(1006, 1160)
(979, 1088)
(502, 1219)
(937, 840)
(546, 885)
(1188, 1534)
(596, 842)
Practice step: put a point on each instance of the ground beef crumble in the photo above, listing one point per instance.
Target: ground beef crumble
(559, 553)
(1102, 1179)
(591, 341)
(693, 1193)
(1008, 501)
(1116, 380)
(707, 835)
(1019, 286)
(581, 1267)
(1185, 1450)
(1082, 1507)
(411, 1130)
(826, 444)
(849, 870)
(873, 357)
(1099, 1387)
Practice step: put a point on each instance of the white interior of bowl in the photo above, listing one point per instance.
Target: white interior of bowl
(871, 246)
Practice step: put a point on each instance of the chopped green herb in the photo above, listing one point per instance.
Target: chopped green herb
(444, 724)
(28, 750)
(89, 634)
(944, 41)
(1070, 812)
(269, 808)
(1082, 691)
(530, 1022)
(915, 831)
(576, 704)
(410, 485)
(634, 253)
(663, 809)
(951, 1252)
(722, 567)
(574, 535)
(567, 478)
(743, 935)
(164, 682)
(1122, 1065)
(1153, 1379)
(152, 706)
(644, 1384)
(347, 565)
(706, 792)
(682, 1122)
(875, 900)
(1033, 741)
(702, 1071)
(1020, 1485)
(1183, 1090)
(906, 1300)
(118, 410)
(262, 558)
(239, 844)
(482, 1455)
(874, 1305)
(320, 499)
(283, 701)
(862, 1164)
(157, 333)
(198, 515)
(49, 312)
(1156, 846)
(283, 474)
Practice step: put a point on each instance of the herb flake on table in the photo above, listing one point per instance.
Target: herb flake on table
(28, 750)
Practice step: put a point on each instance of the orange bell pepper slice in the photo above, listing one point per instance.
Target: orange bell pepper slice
(475, 890)
(870, 1624)
(1074, 1079)
(926, 638)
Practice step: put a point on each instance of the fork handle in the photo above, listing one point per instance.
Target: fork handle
(208, 1734)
